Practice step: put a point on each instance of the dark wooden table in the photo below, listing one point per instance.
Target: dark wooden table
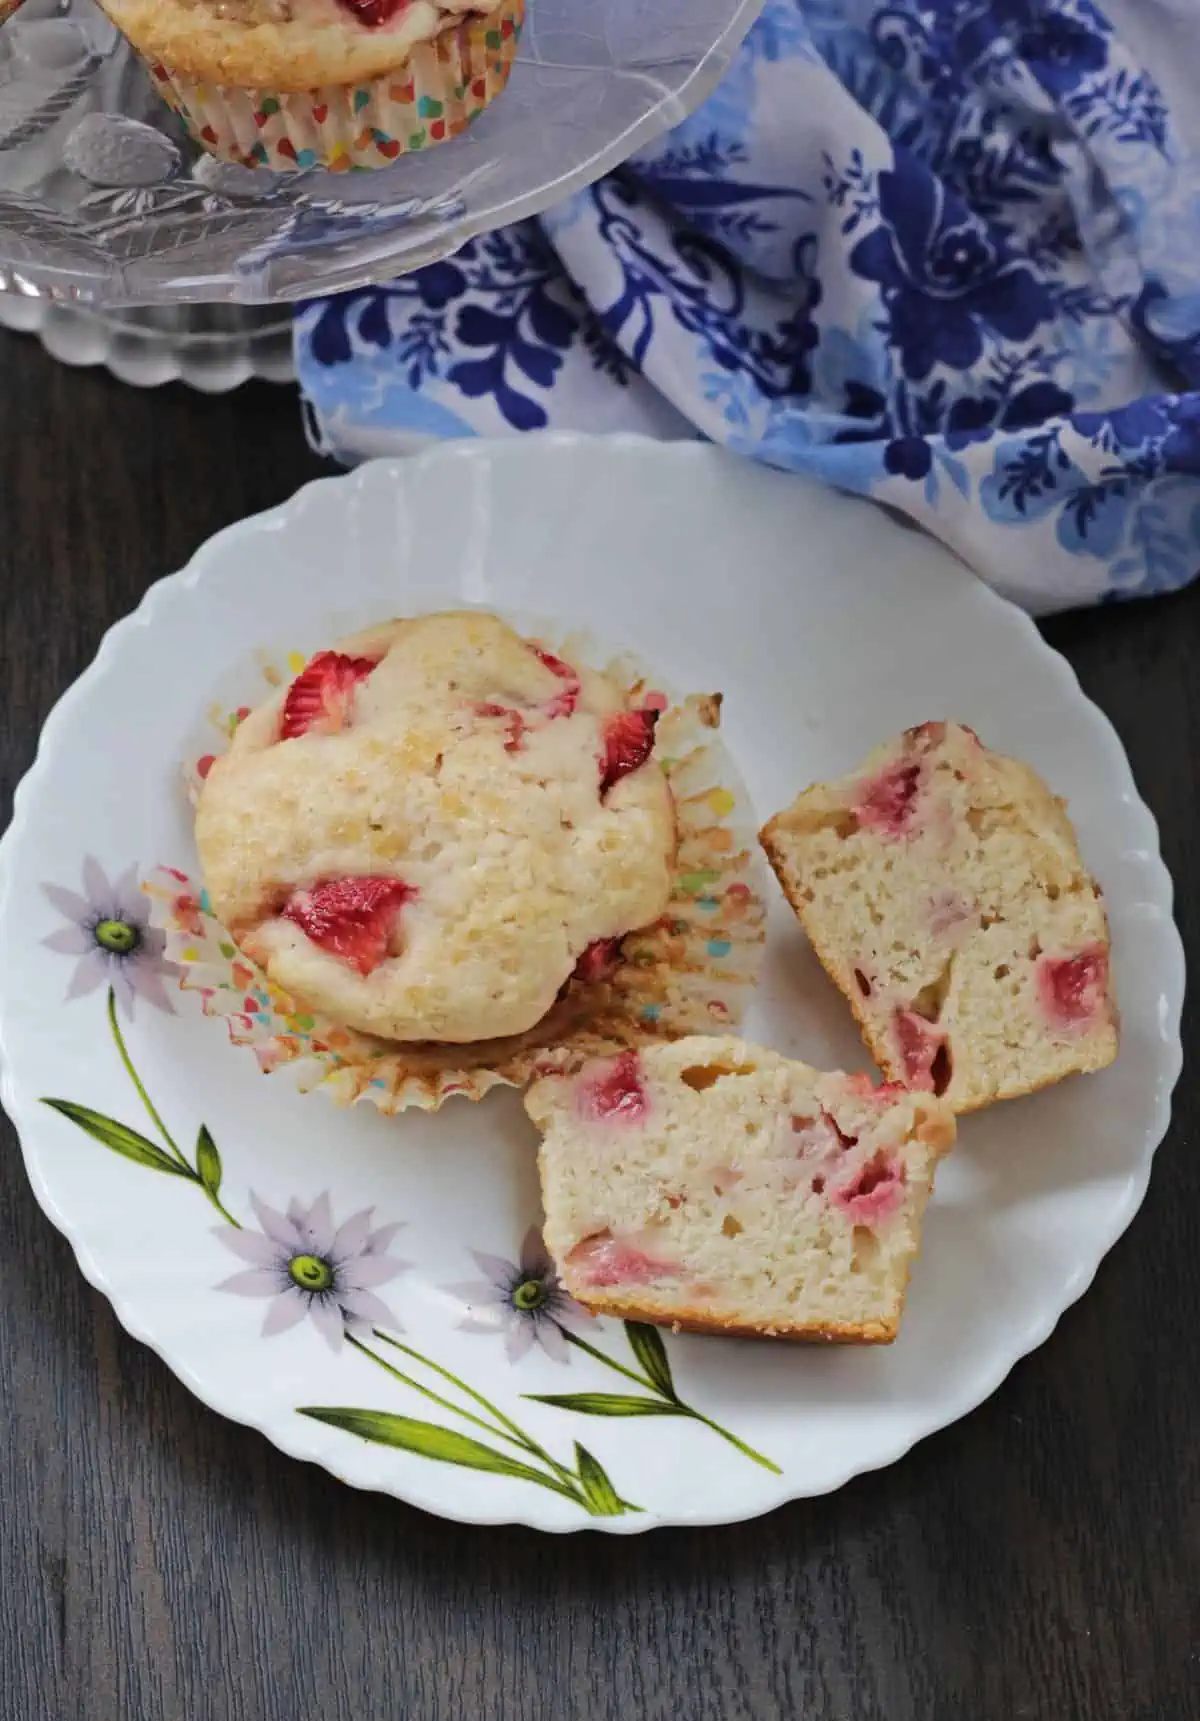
(1040, 1559)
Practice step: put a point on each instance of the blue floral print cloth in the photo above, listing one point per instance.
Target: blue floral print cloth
(945, 253)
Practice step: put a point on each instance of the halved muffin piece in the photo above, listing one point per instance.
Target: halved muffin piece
(720, 1187)
(942, 888)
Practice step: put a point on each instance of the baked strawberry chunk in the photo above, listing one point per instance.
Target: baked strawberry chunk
(1073, 988)
(352, 918)
(373, 13)
(887, 803)
(599, 961)
(321, 698)
(608, 1260)
(628, 742)
(873, 1193)
(514, 723)
(518, 722)
(923, 1051)
(614, 1090)
(564, 703)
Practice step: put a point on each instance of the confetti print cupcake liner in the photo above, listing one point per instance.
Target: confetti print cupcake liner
(442, 86)
(691, 972)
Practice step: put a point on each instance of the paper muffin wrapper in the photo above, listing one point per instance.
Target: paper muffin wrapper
(441, 87)
(692, 972)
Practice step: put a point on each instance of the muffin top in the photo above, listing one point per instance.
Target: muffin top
(433, 825)
(288, 45)
(390, 15)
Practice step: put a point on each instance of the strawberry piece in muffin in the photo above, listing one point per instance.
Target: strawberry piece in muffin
(605, 1260)
(514, 723)
(352, 918)
(321, 698)
(612, 1089)
(628, 743)
(1074, 989)
(565, 702)
(888, 803)
(373, 13)
(520, 721)
(599, 961)
(923, 1053)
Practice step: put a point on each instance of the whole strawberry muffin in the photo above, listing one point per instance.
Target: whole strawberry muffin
(293, 84)
(434, 827)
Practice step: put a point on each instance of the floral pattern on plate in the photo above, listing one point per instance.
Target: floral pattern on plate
(310, 1268)
(108, 929)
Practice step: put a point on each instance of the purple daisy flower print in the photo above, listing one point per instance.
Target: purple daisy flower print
(109, 931)
(311, 1268)
(522, 1300)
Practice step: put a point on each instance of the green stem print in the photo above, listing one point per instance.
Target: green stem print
(130, 1144)
(657, 1383)
(510, 1430)
(585, 1483)
(292, 1258)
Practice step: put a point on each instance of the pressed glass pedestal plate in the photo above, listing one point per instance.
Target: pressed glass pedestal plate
(103, 201)
(121, 245)
(212, 348)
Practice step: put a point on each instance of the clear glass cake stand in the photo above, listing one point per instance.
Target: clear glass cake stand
(121, 243)
(212, 348)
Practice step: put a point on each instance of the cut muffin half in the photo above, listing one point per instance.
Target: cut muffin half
(942, 888)
(717, 1186)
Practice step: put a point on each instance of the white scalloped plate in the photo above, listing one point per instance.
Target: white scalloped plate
(828, 628)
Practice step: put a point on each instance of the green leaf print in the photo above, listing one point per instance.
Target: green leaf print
(604, 1403)
(427, 1440)
(208, 1161)
(119, 1137)
(647, 1346)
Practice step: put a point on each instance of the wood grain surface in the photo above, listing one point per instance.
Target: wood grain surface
(1040, 1559)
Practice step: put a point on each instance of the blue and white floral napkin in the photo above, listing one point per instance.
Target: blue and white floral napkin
(942, 252)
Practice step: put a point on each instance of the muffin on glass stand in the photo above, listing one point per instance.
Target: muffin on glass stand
(338, 84)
